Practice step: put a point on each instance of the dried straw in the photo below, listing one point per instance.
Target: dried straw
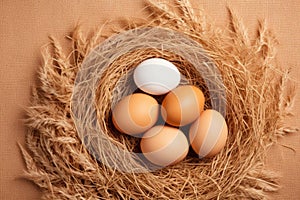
(259, 99)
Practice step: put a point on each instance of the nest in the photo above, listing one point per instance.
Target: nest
(72, 160)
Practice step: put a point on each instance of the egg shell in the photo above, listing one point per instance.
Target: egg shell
(135, 113)
(182, 105)
(164, 145)
(208, 134)
(156, 76)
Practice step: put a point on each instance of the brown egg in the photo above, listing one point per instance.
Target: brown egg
(208, 134)
(164, 145)
(182, 105)
(135, 113)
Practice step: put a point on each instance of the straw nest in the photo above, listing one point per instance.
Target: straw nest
(258, 100)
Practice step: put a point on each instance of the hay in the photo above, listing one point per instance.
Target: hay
(259, 98)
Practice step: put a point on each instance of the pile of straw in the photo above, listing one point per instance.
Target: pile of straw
(259, 98)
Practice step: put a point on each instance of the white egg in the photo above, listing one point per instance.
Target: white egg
(156, 76)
